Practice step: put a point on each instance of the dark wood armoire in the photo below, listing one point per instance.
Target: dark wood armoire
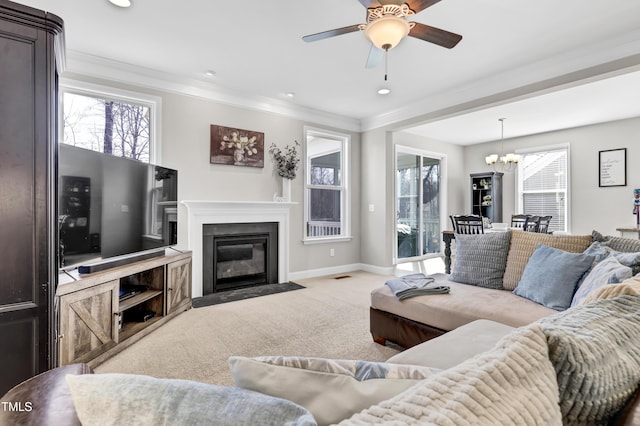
(31, 55)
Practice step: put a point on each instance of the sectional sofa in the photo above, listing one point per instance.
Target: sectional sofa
(576, 367)
(493, 278)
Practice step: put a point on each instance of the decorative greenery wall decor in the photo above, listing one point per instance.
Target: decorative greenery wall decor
(286, 161)
(236, 147)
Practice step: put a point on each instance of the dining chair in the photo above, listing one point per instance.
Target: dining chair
(531, 224)
(518, 220)
(543, 224)
(468, 224)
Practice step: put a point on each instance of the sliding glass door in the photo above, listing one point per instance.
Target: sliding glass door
(418, 203)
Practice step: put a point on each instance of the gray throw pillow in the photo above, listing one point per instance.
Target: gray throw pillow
(595, 351)
(481, 259)
(617, 243)
(608, 271)
(128, 399)
(551, 276)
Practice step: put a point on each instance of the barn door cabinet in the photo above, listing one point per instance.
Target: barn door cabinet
(31, 56)
(101, 314)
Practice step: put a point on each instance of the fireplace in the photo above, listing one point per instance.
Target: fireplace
(237, 255)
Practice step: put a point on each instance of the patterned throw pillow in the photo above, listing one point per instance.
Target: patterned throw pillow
(331, 390)
(551, 276)
(608, 271)
(481, 259)
(595, 351)
(523, 244)
(512, 384)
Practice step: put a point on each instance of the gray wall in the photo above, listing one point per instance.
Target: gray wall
(591, 207)
(186, 124)
(185, 146)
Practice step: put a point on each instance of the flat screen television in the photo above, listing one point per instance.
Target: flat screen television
(110, 208)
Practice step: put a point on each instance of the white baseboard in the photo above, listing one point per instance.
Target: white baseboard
(342, 269)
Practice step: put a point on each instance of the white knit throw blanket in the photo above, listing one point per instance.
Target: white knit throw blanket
(513, 384)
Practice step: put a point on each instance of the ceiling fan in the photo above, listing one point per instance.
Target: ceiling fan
(387, 25)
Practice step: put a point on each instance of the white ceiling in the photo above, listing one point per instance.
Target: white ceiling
(521, 50)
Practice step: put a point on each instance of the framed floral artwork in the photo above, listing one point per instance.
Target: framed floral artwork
(236, 147)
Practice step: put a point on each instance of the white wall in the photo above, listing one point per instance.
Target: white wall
(591, 207)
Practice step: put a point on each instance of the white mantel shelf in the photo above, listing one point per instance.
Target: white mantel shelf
(203, 212)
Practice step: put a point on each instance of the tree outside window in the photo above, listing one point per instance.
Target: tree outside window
(113, 127)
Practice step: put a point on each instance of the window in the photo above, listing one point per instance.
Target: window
(110, 121)
(326, 185)
(419, 203)
(542, 185)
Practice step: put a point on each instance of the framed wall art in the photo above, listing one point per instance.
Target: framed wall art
(236, 147)
(612, 165)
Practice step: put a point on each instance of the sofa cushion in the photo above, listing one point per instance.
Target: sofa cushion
(608, 271)
(481, 259)
(464, 304)
(595, 351)
(454, 347)
(128, 399)
(523, 244)
(512, 384)
(551, 276)
(331, 390)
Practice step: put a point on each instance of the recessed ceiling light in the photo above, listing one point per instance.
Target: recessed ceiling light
(210, 73)
(121, 3)
(384, 91)
(290, 95)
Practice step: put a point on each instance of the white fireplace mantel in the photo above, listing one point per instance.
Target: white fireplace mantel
(201, 213)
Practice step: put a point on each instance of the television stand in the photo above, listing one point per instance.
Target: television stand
(94, 323)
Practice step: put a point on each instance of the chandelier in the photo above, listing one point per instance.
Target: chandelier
(502, 163)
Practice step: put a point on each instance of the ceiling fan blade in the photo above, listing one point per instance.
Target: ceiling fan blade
(420, 5)
(369, 3)
(331, 33)
(375, 57)
(435, 35)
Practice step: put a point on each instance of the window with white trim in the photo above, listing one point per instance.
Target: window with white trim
(109, 120)
(543, 185)
(326, 200)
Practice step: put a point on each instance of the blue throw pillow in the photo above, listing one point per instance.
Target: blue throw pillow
(551, 276)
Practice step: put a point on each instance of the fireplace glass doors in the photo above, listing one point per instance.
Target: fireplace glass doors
(239, 255)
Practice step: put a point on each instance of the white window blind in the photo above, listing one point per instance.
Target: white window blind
(542, 185)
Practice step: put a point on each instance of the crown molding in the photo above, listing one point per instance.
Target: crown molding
(98, 67)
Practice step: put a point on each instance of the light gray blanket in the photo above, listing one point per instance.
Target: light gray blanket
(415, 285)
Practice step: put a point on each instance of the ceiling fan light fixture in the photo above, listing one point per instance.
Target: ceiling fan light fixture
(386, 32)
(121, 3)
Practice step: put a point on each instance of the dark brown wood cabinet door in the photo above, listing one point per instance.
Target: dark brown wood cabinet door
(27, 260)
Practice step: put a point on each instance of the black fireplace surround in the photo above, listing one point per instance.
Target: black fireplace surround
(237, 255)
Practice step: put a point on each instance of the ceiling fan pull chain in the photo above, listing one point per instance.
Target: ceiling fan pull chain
(386, 63)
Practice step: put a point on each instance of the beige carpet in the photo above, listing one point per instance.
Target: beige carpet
(329, 318)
